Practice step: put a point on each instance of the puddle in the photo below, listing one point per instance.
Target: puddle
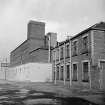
(43, 101)
(11, 103)
(23, 91)
(37, 94)
(32, 97)
(3, 97)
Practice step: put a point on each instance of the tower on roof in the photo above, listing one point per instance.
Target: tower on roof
(36, 30)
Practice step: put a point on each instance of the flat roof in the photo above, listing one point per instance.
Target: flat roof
(36, 22)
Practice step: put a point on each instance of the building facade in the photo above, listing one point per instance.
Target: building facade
(80, 60)
(35, 48)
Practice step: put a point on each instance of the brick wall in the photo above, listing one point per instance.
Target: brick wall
(99, 45)
(36, 43)
(80, 57)
(20, 53)
(36, 30)
(40, 55)
(35, 39)
(98, 54)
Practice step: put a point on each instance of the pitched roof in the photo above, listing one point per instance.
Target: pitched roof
(97, 26)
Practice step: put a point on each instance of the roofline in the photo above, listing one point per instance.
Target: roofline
(77, 35)
(88, 29)
(36, 22)
(19, 45)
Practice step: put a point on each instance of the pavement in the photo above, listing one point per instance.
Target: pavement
(28, 93)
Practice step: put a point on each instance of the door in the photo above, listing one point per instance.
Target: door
(102, 74)
(62, 73)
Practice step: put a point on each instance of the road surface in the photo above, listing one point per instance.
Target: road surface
(38, 94)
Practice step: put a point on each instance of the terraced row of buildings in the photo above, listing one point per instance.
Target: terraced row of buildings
(80, 60)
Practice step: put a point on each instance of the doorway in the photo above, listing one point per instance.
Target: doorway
(102, 74)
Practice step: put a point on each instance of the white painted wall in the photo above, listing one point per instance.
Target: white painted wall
(2, 72)
(34, 72)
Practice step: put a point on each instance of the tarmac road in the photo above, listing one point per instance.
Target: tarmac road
(26, 94)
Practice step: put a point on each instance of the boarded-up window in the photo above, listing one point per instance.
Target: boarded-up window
(85, 72)
(74, 72)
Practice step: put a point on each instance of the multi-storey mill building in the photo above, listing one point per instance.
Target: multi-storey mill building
(80, 60)
(35, 47)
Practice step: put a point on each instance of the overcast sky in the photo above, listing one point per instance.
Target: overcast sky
(66, 17)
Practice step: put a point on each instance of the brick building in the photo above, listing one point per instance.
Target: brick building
(35, 48)
(80, 60)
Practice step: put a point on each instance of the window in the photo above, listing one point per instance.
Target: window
(67, 50)
(57, 54)
(54, 73)
(74, 48)
(62, 53)
(67, 72)
(62, 71)
(85, 44)
(85, 72)
(74, 72)
(53, 55)
(57, 73)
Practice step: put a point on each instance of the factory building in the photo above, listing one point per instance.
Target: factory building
(35, 47)
(31, 61)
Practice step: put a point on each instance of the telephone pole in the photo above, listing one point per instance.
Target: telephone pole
(5, 65)
(49, 48)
